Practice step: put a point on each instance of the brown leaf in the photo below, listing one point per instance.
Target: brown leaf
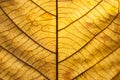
(59, 40)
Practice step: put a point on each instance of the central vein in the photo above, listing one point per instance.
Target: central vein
(56, 39)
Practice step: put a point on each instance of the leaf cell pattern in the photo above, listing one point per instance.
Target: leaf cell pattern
(59, 40)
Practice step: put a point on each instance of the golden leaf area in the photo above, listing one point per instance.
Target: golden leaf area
(59, 40)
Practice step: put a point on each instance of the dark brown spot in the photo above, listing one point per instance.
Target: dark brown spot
(1, 79)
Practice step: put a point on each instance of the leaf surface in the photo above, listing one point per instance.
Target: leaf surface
(59, 40)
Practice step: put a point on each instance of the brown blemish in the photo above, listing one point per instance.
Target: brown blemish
(105, 38)
(89, 25)
(1, 79)
(68, 74)
(117, 28)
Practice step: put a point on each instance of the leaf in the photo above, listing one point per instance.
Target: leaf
(59, 40)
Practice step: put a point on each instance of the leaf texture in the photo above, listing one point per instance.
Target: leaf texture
(59, 40)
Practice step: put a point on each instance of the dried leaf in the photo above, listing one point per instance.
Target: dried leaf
(59, 40)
